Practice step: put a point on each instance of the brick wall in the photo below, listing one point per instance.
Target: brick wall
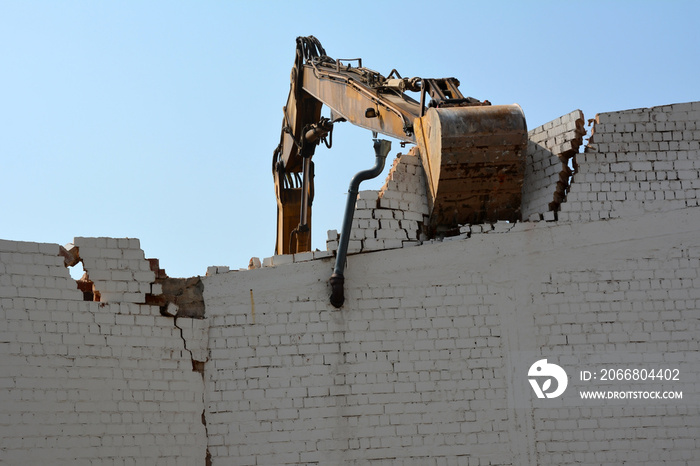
(551, 148)
(427, 361)
(393, 216)
(117, 267)
(637, 161)
(85, 380)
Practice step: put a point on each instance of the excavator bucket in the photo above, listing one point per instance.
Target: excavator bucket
(474, 159)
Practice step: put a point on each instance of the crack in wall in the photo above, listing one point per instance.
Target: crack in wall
(197, 366)
(122, 272)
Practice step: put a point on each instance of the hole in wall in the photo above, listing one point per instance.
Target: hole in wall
(77, 271)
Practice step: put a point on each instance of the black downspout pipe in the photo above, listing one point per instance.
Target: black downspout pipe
(337, 280)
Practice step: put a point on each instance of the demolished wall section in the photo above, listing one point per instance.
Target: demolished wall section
(86, 380)
(118, 268)
(549, 152)
(393, 216)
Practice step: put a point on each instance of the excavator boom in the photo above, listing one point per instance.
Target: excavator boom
(473, 153)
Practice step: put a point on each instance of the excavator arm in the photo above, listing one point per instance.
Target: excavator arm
(292, 167)
(472, 152)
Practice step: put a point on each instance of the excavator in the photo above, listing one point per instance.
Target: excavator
(473, 153)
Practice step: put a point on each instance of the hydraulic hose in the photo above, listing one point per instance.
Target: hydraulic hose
(337, 280)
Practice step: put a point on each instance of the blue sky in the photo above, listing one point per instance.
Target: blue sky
(157, 119)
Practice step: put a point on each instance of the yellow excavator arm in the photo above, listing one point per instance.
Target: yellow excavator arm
(473, 153)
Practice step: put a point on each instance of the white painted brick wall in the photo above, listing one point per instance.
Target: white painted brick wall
(637, 161)
(34, 270)
(419, 365)
(426, 363)
(117, 267)
(93, 382)
(550, 147)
